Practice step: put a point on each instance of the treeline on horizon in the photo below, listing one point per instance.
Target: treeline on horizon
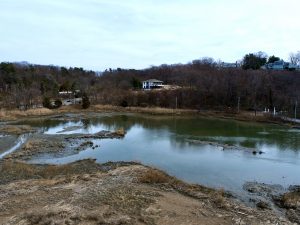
(202, 85)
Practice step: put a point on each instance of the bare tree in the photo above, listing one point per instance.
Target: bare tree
(295, 58)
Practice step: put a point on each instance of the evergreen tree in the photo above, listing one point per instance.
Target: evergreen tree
(85, 101)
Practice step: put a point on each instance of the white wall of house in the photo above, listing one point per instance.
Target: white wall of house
(149, 84)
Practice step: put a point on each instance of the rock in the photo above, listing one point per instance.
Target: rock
(87, 143)
(293, 216)
(263, 205)
(294, 188)
(261, 189)
(152, 210)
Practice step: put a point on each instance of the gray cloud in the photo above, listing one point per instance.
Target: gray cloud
(97, 34)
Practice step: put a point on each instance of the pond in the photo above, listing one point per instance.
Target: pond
(184, 147)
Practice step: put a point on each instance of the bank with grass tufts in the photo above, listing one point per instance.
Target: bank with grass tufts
(85, 192)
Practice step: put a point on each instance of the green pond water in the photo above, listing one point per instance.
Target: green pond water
(164, 142)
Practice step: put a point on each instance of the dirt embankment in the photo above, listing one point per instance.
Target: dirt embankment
(114, 193)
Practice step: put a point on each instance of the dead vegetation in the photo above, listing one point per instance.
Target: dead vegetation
(291, 200)
(16, 129)
(120, 132)
(154, 177)
(15, 170)
(112, 108)
(16, 114)
(85, 192)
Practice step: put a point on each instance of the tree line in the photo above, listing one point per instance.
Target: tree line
(202, 85)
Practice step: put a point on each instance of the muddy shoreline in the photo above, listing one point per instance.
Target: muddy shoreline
(38, 144)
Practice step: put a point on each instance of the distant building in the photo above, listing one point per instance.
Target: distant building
(230, 65)
(70, 97)
(280, 65)
(152, 84)
(65, 92)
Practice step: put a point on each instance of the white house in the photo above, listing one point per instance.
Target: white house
(70, 97)
(152, 84)
(280, 65)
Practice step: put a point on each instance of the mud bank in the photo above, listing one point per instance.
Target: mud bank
(275, 197)
(60, 145)
(85, 192)
(13, 115)
(226, 147)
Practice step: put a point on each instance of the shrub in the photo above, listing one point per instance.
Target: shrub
(51, 105)
(57, 103)
(46, 102)
(124, 103)
(154, 177)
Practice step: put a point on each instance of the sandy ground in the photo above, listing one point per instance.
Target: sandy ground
(88, 193)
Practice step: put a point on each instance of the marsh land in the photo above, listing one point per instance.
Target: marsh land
(62, 167)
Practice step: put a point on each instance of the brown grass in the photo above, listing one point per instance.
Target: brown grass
(147, 110)
(18, 169)
(219, 198)
(18, 129)
(31, 144)
(15, 170)
(120, 132)
(153, 176)
(291, 199)
(15, 114)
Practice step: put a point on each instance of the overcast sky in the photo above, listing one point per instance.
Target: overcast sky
(99, 34)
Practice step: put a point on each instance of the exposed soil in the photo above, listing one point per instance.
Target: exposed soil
(61, 144)
(114, 193)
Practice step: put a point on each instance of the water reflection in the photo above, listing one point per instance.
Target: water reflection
(162, 142)
(214, 130)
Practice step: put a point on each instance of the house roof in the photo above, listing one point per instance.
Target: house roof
(154, 81)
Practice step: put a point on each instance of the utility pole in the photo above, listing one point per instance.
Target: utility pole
(239, 100)
(296, 105)
(176, 102)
